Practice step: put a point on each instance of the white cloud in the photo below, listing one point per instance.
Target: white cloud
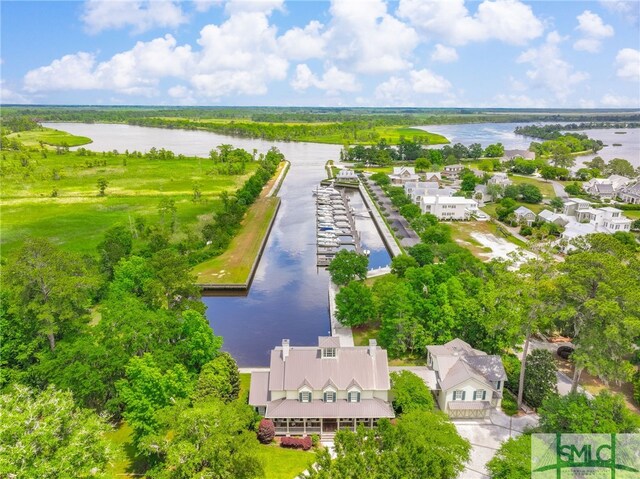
(333, 80)
(100, 15)
(628, 64)
(593, 30)
(626, 8)
(204, 5)
(364, 36)
(509, 21)
(303, 43)
(425, 81)
(444, 54)
(618, 101)
(404, 91)
(261, 6)
(549, 71)
(182, 95)
(8, 96)
(136, 71)
(505, 100)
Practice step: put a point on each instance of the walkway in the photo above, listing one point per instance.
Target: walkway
(343, 332)
(395, 219)
(559, 190)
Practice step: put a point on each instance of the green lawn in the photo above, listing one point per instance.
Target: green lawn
(546, 188)
(362, 334)
(281, 463)
(126, 464)
(78, 217)
(245, 382)
(234, 265)
(632, 214)
(49, 136)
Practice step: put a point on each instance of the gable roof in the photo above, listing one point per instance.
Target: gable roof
(305, 363)
(458, 361)
(523, 210)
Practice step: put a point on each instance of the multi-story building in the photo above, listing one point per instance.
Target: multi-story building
(320, 389)
(449, 207)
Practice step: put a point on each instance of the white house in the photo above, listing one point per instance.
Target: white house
(320, 389)
(469, 382)
(524, 215)
(606, 188)
(347, 174)
(499, 179)
(449, 207)
(403, 174)
(631, 193)
(452, 171)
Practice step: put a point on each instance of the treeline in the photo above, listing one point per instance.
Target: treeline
(553, 131)
(384, 154)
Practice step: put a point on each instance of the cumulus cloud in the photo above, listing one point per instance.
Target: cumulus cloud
(619, 101)
(333, 80)
(205, 5)
(593, 31)
(628, 64)
(404, 91)
(9, 96)
(626, 8)
(364, 35)
(304, 43)
(444, 54)
(141, 16)
(509, 21)
(548, 70)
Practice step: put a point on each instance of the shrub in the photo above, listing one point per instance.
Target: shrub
(315, 440)
(509, 405)
(636, 387)
(266, 431)
(540, 377)
(512, 368)
(303, 443)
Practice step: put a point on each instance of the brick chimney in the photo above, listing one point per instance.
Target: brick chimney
(285, 349)
(372, 348)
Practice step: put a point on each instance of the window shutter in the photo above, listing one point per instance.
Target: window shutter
(484, 395)
(464, 393)
(300, 397)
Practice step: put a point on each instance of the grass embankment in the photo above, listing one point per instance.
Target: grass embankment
(546, 188)
(78, 217)
(49, 136)
(234, 265)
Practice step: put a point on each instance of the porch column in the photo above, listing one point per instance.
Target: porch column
(354, 424)
(304, 426)
(287, 426)
(371, 422)
(321, 427)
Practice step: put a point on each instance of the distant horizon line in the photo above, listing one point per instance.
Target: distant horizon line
(416, 108)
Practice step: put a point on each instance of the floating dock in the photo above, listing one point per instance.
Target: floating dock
(335, 224)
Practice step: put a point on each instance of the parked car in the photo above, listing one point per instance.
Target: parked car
(564, 351)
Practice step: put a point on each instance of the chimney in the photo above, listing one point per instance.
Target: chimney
(285, 349)
(372, 348)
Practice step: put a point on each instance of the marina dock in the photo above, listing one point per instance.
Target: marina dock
(335, 224)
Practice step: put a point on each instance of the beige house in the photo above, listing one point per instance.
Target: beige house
(320, 389)
(524, 215)
(468, 382)
(403, 174)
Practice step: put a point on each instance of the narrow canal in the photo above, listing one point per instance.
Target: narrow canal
(289, 294)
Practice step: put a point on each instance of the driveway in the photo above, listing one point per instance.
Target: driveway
(395, 219)
(486, 436)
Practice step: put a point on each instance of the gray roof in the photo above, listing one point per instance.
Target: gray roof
(366, 408)
(458, 361)
(328, 341)
(259, 391)
(523, 210)
(633, 189)
(604, 187)
(307, 364)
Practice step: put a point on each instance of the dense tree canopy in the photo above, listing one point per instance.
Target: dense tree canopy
(44, 434)
(410, 393)
(347, 266)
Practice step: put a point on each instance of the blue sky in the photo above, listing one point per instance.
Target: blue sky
(490, 53)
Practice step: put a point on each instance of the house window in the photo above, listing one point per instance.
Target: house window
(354, 396)
(329, 353)
(479, 395)
(458, 395)
(305, 396)
(497, 385)
(329, 396)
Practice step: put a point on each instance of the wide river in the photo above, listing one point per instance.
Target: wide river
(289, 294)
(288, 297)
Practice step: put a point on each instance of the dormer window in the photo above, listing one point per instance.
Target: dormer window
(354, 396)
(328, 352)
(329, 396)
(304, 396)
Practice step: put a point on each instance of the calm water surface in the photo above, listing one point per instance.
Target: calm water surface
(289, 295)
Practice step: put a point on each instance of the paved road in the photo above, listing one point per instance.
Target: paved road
(395, 219)
(559, 190)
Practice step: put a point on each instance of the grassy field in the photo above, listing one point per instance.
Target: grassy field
(632, 214)
(78, 217)
(125, 465)
(234, 265)
(245, 383)
(49, 136)
(546, 188)
(281, 463)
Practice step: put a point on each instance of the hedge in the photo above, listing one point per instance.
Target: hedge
(303, 443)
